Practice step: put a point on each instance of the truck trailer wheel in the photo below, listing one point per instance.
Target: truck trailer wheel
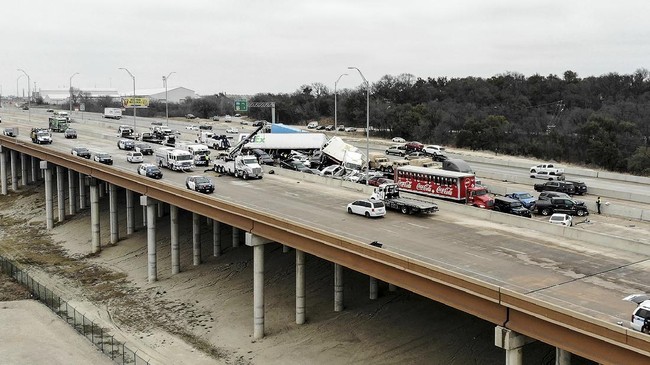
(405, 210)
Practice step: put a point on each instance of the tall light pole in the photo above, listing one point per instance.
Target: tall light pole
(133, 77)
(29, 96)
(76, 73)
(18, 78)
(165, 78)
(367, 121)
(335, 111)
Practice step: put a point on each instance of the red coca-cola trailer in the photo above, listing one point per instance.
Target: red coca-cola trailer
(435, 182)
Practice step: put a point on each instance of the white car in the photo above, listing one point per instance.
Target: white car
(546, 175)
(232, 130)
(561, 219)
(640, 320)
(135, 157)
(367, 208)
(434, 150)
(192, 127)
(398, 140)
(350, 129)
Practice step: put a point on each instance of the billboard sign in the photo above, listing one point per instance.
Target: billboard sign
(135, 102)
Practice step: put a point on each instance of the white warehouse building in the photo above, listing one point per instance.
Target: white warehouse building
(62, 96)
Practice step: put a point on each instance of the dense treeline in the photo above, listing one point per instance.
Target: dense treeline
(595, 121)
(599, 121)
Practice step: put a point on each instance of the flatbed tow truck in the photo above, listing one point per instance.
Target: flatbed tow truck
(389, 194)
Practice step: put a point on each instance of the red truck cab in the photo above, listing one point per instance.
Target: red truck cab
(477, 196)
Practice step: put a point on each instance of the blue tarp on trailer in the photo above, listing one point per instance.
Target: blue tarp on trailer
(281, 128)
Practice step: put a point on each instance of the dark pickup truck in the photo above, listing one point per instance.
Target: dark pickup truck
(561, 205)
(561, 186)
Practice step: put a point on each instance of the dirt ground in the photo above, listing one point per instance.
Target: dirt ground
(204, 315)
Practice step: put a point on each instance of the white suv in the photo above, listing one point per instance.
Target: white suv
(640, 319)
(434, 150)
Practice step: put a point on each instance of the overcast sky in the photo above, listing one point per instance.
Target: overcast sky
(247, 47)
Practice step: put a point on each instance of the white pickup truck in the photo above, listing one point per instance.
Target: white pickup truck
(547, 167)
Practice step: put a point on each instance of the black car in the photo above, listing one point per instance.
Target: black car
(263, 157)
(320, 128)
(150, 170)
(559, 186)
(295, 165)
(199, 183)
(205, 127)
(259, 123)
(70, 133)
(510, 206)
(81, 152)
(104, 158)
(580, 187)
(329, 127)
(144, 148)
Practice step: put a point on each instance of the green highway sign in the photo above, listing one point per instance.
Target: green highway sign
(241, 105)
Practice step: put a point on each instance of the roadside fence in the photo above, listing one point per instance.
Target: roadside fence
(116, 350)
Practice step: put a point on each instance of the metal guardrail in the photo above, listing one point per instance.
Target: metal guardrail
(104, 341)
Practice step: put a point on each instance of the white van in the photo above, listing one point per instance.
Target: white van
(312, 125)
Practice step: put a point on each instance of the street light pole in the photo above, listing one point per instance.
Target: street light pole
(165, 78)
(335, 111)
(133, 77)
(76, 73)
(18, 78)
(367, 121)
(29, 96)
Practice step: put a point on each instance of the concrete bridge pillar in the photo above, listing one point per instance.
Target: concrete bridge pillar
(102, 187)
(562, 357)
(235, 237)
(196, 239)
(300, 287)
(14, 170)
(49, 203)
(35, 165)
(82, 191)
(338, 288)
(23, 169)
(72, 196)
(392, 288)
(176, 251)
(285, 248)
(374, 288)
(130, 217)
(152, 268)
(112, 213)
(216, 238)
(512, 342)
(3, 170)
(60, 193)
(161, 209)
(94, 215)
(257, 243)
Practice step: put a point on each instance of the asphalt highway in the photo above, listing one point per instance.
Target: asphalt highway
(575, 275)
